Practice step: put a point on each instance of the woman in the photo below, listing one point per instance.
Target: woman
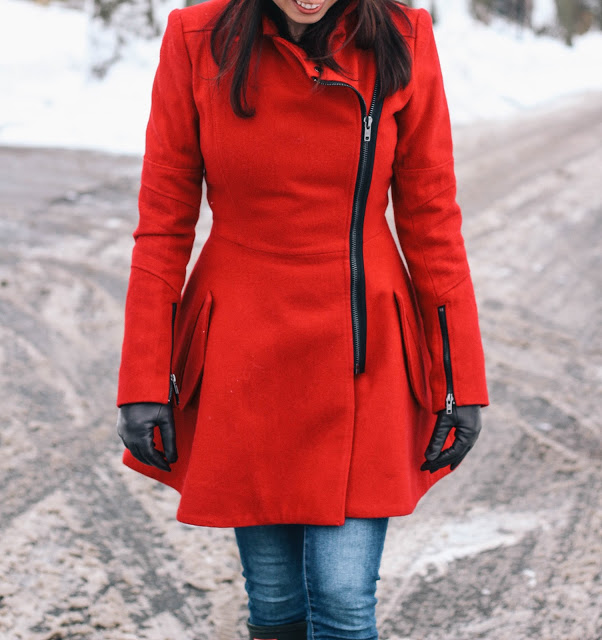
(303, 372)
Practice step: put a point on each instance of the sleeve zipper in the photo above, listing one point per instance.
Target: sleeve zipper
(174, 392)
(450, 400)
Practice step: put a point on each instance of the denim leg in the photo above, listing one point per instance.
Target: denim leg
(272, 560)
(340, 570)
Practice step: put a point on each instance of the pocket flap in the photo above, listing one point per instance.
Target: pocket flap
(415, 353)
(190, 352)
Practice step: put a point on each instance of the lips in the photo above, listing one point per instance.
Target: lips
(308, 7)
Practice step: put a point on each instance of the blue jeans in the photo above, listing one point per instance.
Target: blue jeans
(323, 574)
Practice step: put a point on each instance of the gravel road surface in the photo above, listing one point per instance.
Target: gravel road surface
(507, 548)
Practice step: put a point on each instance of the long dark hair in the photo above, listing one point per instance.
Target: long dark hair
(237, 32)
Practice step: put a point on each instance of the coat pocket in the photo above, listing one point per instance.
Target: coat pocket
(190, 355)
(415, 353)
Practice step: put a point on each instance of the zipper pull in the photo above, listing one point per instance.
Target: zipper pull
(173, 387)
(449, 403)
(367, 128)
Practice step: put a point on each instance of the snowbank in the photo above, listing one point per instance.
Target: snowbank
(496, 71)
(49, 99)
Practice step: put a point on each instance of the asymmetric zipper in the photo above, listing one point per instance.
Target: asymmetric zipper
(450, 400)
(370, 119)
(173, 385)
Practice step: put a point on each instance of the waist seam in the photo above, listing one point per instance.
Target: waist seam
(290, 253)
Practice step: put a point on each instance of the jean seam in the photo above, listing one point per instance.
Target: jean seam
(310, 623)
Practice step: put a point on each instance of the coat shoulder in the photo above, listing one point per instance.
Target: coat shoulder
(407, 19)
(200, 17)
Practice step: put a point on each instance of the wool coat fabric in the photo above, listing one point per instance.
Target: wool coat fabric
(310, 364)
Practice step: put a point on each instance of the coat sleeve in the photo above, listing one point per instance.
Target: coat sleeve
(169, 203)
(428, 224)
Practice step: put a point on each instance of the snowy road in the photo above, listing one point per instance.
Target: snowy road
(508, 548)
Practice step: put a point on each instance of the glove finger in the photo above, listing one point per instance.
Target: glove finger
(449, 456)
(438, 438)
(152, 455)
(469, 421)
(455, 464)
(149, 455)
(168, 435)
(157, 460)
(135, 451)
(468, 433)
(144, 450)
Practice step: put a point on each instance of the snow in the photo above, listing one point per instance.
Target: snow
(544, 13)
(49, 98)
(499, 70)
(454, 539)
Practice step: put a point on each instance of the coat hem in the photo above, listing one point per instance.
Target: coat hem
(222, 522)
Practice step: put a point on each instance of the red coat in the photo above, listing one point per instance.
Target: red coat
(301, 347)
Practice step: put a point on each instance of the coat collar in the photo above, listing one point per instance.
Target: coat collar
(337, 38)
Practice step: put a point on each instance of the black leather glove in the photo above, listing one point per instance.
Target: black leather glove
(135, 425)
(466, 421)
